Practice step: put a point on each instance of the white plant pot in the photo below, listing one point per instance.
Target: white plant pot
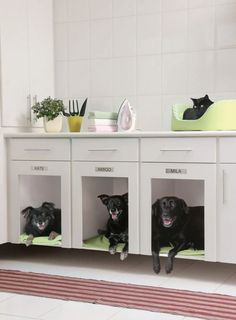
(54, 125)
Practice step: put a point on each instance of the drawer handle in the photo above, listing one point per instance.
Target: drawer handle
(186, 150)
(103, 150)
(37, 150)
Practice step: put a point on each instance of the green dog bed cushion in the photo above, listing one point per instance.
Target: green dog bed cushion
(220, 115)
(42, 241)
(101, 243)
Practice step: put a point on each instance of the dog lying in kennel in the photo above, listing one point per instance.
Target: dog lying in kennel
(117, 224)
(42, 221)
(176, 224)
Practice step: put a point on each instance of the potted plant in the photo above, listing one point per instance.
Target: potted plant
(51, 111)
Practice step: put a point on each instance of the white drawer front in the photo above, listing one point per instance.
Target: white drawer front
(105, 149)
(178, 150)
(227, 150)
(39, 149)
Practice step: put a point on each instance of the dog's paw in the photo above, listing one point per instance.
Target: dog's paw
(112, 250)
(157, 268)
(123, 255)
(28, 243)
(52, 235)
(29, 240)
(169, 266)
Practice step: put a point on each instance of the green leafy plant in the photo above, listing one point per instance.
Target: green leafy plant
(50, 108)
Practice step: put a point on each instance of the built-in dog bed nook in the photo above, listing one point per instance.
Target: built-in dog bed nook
(100, 242)
(42, 241)
(220, 115)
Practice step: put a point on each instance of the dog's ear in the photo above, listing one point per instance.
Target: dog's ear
(27, 212)
(156, 208)
(183, 206)
(104, 198)
(48, 205)
(125, 197)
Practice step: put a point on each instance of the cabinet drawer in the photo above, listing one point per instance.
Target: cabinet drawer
(39, 149)
(105, 149)
(178, 150)
(227, 150)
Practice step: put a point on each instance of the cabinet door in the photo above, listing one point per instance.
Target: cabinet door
(27, 70)
(226, 221)
(3, 186)
(90, 179)
(14, 63)
(41, 50)
(195, 183)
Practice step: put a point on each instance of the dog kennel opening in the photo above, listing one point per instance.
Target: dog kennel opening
(94, 213)
(33, 191)
(192, 192)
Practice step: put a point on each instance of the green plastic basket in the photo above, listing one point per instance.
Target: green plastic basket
(221, 115)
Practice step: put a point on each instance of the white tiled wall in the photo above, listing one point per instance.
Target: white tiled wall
(153, 52)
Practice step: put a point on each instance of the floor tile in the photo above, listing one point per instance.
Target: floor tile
(190, 318)
(28, 306)
(127, 314)
(228, 287)
(137, 269)
(5, 295)
(78, 310)
(201, 276)
(7, 317)
(144, 275)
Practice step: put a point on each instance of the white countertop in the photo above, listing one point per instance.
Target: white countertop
(134, 134)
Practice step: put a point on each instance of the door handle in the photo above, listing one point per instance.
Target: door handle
(103, 150)
(223, 186)
(46, 150)
(34, 99)
(173, 149)
(29, 109)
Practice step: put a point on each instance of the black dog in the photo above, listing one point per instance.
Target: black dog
(117, 224)
(42, 221)
(176, 224)
(200, 106)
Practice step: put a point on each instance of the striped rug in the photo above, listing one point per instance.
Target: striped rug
(180, 302)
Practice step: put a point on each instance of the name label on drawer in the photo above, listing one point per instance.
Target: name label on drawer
(39, 168)
(179, 171)
(104, 169)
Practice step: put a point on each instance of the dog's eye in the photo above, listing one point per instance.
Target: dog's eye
(172, 204)
(117, 203)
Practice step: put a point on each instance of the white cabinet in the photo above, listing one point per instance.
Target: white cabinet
(193, 182)
(44, 169)
(103, 171)
(26, 56)
(226, 221)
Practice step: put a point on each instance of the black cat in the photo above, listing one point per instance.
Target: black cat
(200, 106)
